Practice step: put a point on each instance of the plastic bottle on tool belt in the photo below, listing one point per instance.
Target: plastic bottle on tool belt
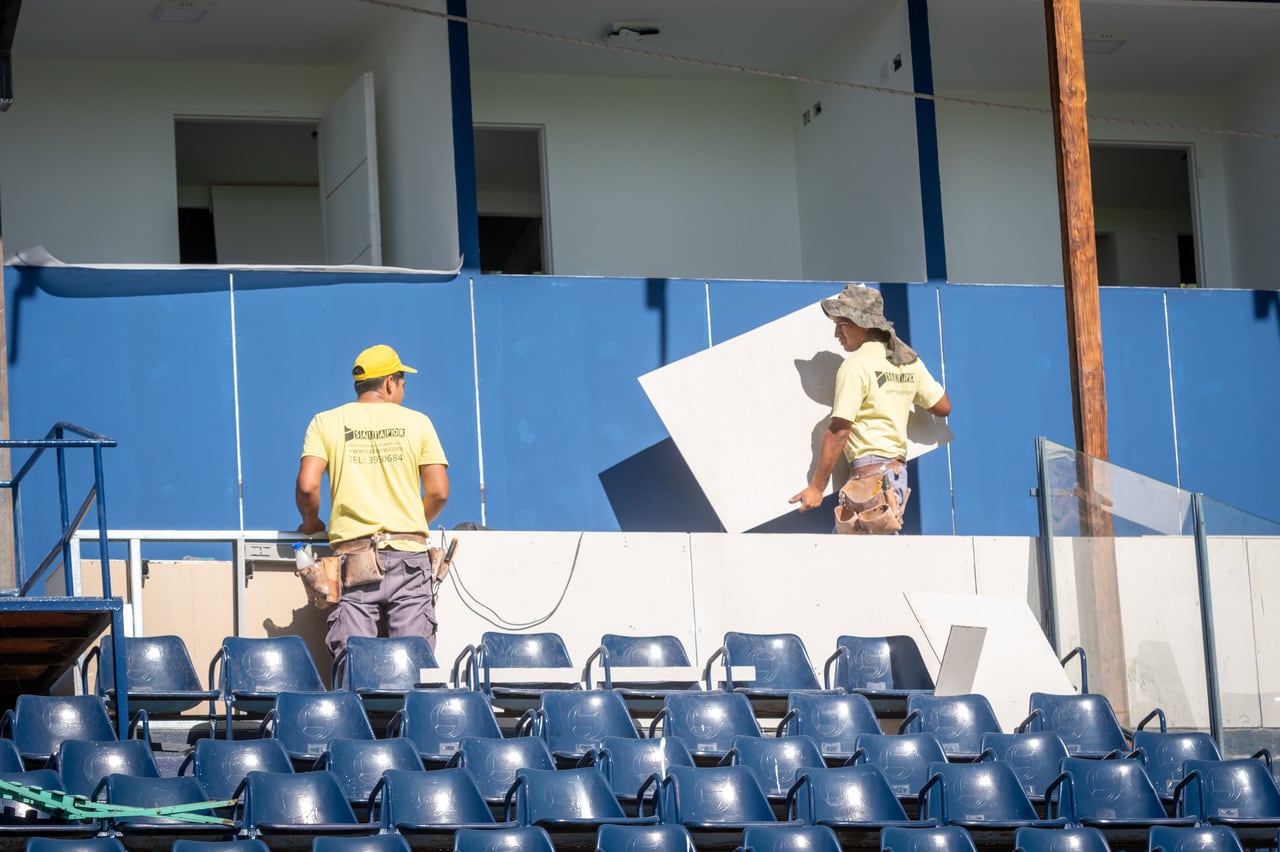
(302, 554)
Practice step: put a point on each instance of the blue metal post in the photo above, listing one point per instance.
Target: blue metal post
(68, 586)
(464, 145)
(935, 248)
(1212, 692)
(98, 483)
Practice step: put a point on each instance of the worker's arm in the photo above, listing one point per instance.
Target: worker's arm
(435, 489)
(306, 493)
(942, 407)
(833, 441)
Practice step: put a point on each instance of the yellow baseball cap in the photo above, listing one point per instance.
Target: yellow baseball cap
(376, 362)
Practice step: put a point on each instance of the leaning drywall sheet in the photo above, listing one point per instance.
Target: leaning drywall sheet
(748, 414)
(1016, 658)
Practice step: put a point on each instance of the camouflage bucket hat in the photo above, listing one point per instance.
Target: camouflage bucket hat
(860, 305)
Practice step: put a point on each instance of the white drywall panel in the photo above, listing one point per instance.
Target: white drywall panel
(821, 587)
(87, 156)
(636, 584)
(698, 177)
(1253, 176)
(1008, 565)
(1264, 587)
(1233, 615)
(786, 367)
(1016, 659)
(267, 224)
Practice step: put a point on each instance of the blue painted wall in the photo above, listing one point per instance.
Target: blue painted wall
(569, 439)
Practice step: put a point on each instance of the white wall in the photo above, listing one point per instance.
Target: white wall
(87, 150)
(690, 178)
(409, 59)
(999, 186)
(1254, 176)
(857, 166)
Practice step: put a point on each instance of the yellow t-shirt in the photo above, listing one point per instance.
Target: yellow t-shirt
(876, 396)
(373, 451)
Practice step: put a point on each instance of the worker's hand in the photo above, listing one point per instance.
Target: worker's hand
(810, 498)
(311, 527)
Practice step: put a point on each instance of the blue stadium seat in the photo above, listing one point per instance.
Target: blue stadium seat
(38, 723)
(82, 764)
(775, 762)
(886, 669)
(1035, 757)
(250, 673)
(303, 804)
(643, 838)
(1086, 723)
(958, 721)
(985, 798)
(903, 758)
(529, 838)
(306, 722)
(944, 838)
(1069, 839)
(1201, 838)
(428, 805)
(1239, 793)
(833, 719)
(88, 844)
(162, 678)
(790, 838)
(662, 651)
(359, 764)
(437, 720)
(19, 821)
(375, 843)
(627, 763)
(716, 803)
(381, 670)
(571, 804)
(222, 765)
(10, 758)
(781, 664)
(855, 801)
(519, 651)
(1163, 754)
(573, 722)
(494, 762)
(1114, 796)
(706, 722)
(156, 793)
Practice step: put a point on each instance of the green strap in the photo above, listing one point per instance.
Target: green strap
(70, 806)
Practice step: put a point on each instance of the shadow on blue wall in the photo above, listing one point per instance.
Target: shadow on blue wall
(1265, 303)
(654, 491)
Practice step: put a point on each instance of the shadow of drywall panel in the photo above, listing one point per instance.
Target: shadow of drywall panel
(1225, 358)
(295, 347)
(151, 370)
(559, 398)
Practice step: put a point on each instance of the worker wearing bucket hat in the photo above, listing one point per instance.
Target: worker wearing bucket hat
(388, 480)
(876, 387)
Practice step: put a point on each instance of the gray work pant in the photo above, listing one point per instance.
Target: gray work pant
(404, 594)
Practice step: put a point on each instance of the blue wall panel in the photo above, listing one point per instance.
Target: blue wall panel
(295, 347)
(560, 401)
(1226, 353)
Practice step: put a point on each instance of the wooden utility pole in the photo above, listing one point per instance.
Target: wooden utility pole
(1097, 583)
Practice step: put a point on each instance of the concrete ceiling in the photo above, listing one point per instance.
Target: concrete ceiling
(1170, 46)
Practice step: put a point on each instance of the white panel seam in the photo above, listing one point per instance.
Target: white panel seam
(1173, 402)
(235, 397)
(475, 375)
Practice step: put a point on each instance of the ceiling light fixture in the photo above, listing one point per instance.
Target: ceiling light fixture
(180, 11)
(631, 32)
(1103, 43)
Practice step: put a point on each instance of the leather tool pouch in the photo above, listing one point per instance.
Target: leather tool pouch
(321, 581)
(360, 565)
(868, 504)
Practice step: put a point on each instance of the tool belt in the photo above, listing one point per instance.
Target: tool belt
(360, 563)
(868, 502)
(322, 580)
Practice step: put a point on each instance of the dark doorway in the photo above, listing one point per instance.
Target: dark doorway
(510, 201)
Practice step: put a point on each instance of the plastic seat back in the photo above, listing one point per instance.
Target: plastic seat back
(40, 722)
(523, 650)
(10, 758)
(162, 678)
(626, 763)
(306, 722)
(1229, 790)
(903, 758)
(1086, 723)
(14, 811)
(359, 764)
(643, 838)
(155, 793)
(281, 800)
(880, 664)
(83, 764)
(664, 650)
(1035, 757)
(1163, 754)
(780, 660)
(437, 720)
(707, 722)
(529, 838)
(775, 761)
(946, 838)
(549, 796)
(572, 722)
(246, 845)
(494, 762)
(975, 792)
(87, 844)
(790, 838)
(833, 720)
(1201, 838)
(958, 721)
(1072, 839)
(846, 794)
(374, 843)
(442, 797)
(713, 795)
(222, 765)
(255, 671)
(383, 665)
(1105, 790)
